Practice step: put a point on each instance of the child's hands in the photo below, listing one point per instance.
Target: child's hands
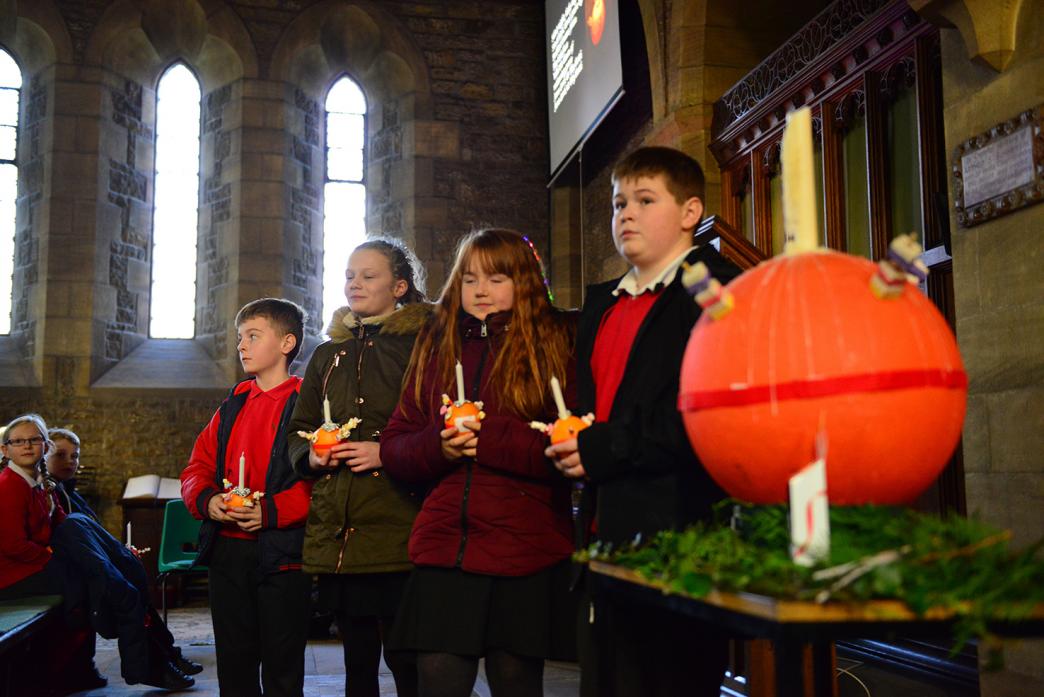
(566, 456)
(216, 509)
(248, 518)
(360, 456)
(321, 463)
(457, 445)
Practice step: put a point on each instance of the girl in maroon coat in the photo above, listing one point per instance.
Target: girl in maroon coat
(494, 530)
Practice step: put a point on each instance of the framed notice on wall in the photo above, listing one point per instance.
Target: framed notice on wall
(1000, 170)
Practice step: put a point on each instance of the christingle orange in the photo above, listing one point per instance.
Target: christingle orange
(566, 426)
(457, 413)
(815, 341)
(329, 433)
(240, 496)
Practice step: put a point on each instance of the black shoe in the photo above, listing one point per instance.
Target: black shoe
(167, 677)
(87, 678)
(183, 664)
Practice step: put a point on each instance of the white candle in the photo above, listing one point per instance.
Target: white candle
(242, 468)
(800, 225)
(326, 411)
(128, 533)
(556, 389)
(460, 382)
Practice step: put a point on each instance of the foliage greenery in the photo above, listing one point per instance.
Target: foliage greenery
(876, 552)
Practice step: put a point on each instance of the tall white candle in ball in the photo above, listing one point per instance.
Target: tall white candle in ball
(326, 411)
(460, 382)
(128, 533)
(800, 226)
(242, 469)
(556, 390)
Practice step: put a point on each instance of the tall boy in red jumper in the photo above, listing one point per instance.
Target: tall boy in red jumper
(640, 471)
(259, 598)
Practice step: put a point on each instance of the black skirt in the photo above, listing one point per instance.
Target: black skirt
(452, 611)
(363, 595)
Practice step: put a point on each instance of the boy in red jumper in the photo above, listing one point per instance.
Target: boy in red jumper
(259, 598)
(641, 473)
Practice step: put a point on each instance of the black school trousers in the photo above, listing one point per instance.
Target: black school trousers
(639, 651)
(260, 622)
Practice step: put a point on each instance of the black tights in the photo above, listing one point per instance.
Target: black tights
(361, 637)
(452, 675)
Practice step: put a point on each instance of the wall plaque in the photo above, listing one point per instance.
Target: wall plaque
(1000, 170)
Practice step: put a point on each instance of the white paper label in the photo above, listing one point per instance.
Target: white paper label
(461, 420)
(809, 514)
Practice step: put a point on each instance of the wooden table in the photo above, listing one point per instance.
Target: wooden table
(791, 625)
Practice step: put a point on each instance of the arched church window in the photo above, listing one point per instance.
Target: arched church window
(344, 193)
(172, 310)
(10, 89)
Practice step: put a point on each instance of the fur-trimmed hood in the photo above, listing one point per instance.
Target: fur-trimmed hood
(408, 319)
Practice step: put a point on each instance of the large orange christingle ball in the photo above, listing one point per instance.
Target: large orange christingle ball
(809, 347)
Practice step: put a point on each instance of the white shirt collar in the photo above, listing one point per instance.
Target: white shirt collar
(629, 283)
(21, 473)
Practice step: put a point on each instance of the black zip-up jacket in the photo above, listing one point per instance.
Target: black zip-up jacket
(643, 475)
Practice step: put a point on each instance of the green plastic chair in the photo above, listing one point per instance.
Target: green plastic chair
(179, 546)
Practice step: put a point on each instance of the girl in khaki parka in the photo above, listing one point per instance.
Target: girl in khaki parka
(359, 521)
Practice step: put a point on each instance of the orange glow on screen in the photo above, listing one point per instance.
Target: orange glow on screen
(594, 11)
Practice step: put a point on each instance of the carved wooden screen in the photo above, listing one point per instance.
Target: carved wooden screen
(870, 72)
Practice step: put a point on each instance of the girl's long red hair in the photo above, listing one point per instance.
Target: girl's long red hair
(539, 339)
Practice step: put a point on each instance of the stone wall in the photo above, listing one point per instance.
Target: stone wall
(31, 220)
(125, 131)
(216, 245)
(999, 302)
(305, 167)
(457, 119)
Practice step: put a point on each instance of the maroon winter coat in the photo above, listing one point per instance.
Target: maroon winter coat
(504, 513)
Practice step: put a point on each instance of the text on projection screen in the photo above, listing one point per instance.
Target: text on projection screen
(567, 61)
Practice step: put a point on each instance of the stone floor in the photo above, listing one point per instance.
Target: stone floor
(325, 670)
(324, 665)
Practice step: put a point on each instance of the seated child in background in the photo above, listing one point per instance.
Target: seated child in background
(260, 601)
(61, 463)
(28, 513)
(44, 551)
(641, 473)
